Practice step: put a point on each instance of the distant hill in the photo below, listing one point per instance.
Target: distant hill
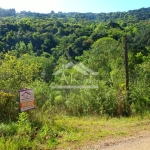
(136, 15)
(71, 33)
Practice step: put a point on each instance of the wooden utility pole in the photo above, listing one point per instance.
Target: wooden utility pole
(126, 66)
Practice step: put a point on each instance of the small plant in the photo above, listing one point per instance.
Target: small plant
(23, 124)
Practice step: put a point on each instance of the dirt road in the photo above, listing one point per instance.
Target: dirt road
(138, 142)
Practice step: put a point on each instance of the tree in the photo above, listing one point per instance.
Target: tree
(21, 48)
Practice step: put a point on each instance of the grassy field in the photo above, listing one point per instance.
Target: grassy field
(89, 130)
(63, 132)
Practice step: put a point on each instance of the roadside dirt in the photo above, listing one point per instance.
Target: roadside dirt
(137, 142)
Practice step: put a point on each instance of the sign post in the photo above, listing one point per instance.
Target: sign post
(26, 100)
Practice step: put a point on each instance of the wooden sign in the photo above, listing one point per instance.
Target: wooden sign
(26, 100)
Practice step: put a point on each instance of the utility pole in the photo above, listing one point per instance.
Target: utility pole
(126, 66)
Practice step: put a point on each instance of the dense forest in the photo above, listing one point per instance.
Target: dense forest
(34, 46)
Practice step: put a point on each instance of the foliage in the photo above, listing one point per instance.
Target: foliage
(49, 52)
(7, 106)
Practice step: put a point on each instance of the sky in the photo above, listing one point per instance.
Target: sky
(95, 6)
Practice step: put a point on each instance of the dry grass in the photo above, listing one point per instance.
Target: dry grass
(77, 132)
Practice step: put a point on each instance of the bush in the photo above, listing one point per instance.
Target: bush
(8, 109)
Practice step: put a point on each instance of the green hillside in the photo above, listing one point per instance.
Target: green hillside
(75, 62)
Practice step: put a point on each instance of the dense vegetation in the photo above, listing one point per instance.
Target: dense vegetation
(34, 46)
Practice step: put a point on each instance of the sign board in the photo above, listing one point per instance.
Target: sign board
(26, 100)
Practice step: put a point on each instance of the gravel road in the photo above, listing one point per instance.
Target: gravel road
(138, 142)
